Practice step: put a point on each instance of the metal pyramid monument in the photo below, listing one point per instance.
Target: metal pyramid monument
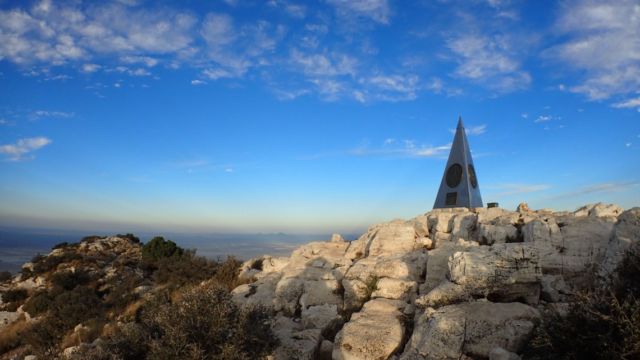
(459, 186)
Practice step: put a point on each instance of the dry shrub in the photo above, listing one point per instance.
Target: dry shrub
(11, 335)
(602, 323)
(202, 323)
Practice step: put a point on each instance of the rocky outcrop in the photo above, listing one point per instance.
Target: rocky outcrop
(451, 283)
(471, 329)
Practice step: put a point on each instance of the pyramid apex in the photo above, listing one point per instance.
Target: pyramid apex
(460, 123)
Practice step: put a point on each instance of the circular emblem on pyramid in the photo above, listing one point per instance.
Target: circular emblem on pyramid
(472, 176)
(454, 175)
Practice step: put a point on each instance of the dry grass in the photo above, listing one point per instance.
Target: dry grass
(11, 335)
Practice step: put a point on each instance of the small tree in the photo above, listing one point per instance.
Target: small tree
(159, 248)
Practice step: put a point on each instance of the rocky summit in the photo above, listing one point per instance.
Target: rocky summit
(453, 283)
(449, 284)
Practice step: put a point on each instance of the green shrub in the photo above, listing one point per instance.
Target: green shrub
(43, 264)
(38, 303)
(134, 239)
(68, 280)
(14, 295)
(159, 248)
(61, 245)
(5, 276)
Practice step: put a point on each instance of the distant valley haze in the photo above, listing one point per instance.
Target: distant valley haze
(248, 127)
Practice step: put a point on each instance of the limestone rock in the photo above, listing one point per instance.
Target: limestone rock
(337, 238)
(395, 289)
(626, 233)
(295, 343)
(324, 317)
(471, 329)
(502, 354)
(375, 332)
(463, 225)
(599, 210)
(553, 288)
(503, 272)
(523, 207)
(438, 263)
(444, 294)
(496, 234)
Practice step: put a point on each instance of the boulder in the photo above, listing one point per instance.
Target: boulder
(503, 272)
(294, 342)
(523, 207)
(471, 329)
(626, 234)
(376, 332)
(553, 288)
(438, 263)
(446, 293)
(395, 289)
(599, 210)
(496, 234)
(502, 354)
(463, 225)
(396, 237)
(324, 317)
(259, 293)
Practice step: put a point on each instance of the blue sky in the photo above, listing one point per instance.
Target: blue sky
(306, 117)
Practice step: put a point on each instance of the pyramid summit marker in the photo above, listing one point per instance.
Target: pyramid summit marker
(459, 186)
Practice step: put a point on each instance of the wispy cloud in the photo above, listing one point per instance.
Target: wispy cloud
(473, 130)
(600, 188)
(627, 104)
(376, 10)
(197, 82)
(601, 46)
(515, 189)
(38, 114)
(404, 148)
(489, 60)
(23, 148)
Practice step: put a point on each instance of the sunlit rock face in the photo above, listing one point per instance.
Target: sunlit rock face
(448, 284)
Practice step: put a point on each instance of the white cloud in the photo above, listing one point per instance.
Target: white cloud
(23, 148)
(602, 44)
(376, 10)
(321, 64)
(543, 118)
(55, 34)
(476, 130)
(146, 60)
(524, 115)
(197, 82)
(236, 49)
(90, 68)
(488, 60)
